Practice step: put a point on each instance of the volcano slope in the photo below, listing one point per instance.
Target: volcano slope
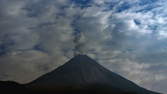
(80, 75)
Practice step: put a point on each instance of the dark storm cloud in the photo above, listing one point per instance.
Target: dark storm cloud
(36, 36)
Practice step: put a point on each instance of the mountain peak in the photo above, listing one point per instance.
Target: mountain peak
(82, 71)
(82, 59)
(80, 56)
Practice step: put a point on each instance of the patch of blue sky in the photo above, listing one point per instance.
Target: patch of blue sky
(137, 22)
(144, 2)
(4, 47)
(124, 7)
(2, 50)
(39, 48)
(153, 27)
(119, 6)
(35, 9)
(110, 5)
(149, 8)
(82, 3)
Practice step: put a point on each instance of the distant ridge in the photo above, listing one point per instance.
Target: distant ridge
(81, 75)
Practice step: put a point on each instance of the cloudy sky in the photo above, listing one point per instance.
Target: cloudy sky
(128, 37)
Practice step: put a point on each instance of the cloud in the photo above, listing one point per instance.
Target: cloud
(29, 64)
(29, 34)
(127, 37)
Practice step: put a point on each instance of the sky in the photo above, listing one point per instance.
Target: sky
(126, 36)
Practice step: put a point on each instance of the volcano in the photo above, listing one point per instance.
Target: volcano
(82, 75)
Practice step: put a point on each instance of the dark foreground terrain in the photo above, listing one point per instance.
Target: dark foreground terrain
(81, 75)
(14, 88)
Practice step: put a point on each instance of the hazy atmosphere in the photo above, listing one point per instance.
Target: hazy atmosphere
(128, 37)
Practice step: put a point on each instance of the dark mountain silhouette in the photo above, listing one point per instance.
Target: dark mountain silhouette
(79, 76)
(8, 87)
